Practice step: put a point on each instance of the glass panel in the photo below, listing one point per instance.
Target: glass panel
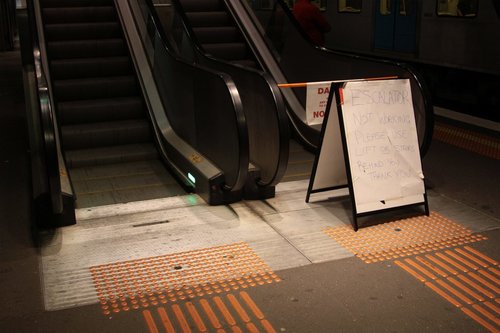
(385, 7)
(457, 8)
(349, 6)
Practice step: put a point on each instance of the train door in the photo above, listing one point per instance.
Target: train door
(396, 25)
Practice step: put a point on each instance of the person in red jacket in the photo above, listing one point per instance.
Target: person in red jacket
(311, 20)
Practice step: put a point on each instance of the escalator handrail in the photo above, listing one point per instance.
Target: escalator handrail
(242, 170)
(412, 73)
(47, 117)
(274, 93)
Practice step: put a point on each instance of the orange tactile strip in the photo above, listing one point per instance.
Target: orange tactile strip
(181, 276)
(220, 314)
(403, 238)
(465, 277)
(467, 139)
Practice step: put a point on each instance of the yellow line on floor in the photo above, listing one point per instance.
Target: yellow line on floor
(255, 309)
(468, 135)
(196, 317)
(239, 309)
(476, 282)
(225, 312)
(181, 319)
(210, 314)
(479, 320)
(150, 321)
(466, 289)
(444, 295)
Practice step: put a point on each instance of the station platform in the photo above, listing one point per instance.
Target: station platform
(278, 265)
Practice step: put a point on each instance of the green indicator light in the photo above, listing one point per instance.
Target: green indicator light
(191, 178)
(192, 200)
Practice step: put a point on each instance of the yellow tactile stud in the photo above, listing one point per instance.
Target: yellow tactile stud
(469, 140)
(182, 276)
(411, 236)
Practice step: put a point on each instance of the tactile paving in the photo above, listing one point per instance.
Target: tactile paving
(465, 277)
(153, 281)
(223, 313)
(467, 139)
(401, 238)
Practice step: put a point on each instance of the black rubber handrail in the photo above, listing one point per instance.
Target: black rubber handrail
(353, 60)
(47, 118)
(263, 106)
(235, 173)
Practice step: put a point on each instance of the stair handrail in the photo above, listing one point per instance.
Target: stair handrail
(48, 119)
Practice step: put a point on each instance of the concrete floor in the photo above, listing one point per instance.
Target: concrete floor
(345, 295)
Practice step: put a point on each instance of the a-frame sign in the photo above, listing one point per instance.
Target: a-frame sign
(369, 144)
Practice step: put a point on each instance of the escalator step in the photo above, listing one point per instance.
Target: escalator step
(247, 63)
(76, 31)
(100, 110)
(75, 3)
(216, 34)
(87, 48)
(201, 5)
(94, 88)
(208, 19)
(122, 182)
(110, 155)
(228, 51)
(123, 178)
(103, 134)
(78, 14)
(90, 67)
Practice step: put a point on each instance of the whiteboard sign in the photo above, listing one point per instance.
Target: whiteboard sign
(382, 146)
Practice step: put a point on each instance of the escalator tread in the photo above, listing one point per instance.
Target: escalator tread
(123, 182)
(110, 155)
(88, 135)
(75, 3)
(96, 87)
(69, 14)
(217, 33)
(82, 31)
(87, 48)
(228, 51)
(208, 19)
(74, 68)
(99, 110)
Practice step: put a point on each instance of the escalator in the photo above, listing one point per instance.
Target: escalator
(115, 117)
(219, 43)
(280, 48)
(262, 102)
(106, 136)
